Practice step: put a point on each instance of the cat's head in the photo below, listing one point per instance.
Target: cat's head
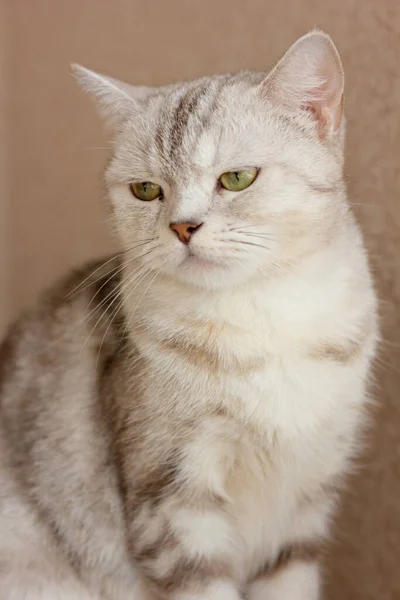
(227, 178)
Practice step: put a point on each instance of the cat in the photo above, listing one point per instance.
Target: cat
(178, 420)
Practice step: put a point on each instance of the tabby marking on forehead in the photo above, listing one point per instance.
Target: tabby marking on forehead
(186, 107)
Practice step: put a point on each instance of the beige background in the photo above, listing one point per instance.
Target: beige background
(52, 155)
(4, 282)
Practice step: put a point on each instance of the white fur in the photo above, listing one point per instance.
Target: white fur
(300, 581)
(202, 533)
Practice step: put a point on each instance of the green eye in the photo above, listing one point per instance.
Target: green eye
(146, 190)
(236, 181)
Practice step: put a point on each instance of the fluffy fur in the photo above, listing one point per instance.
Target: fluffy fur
(176, 422)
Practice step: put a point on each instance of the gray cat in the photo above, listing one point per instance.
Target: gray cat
(176, 422)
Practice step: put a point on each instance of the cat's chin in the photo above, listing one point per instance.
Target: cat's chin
(207, 273)
(198, 268)
(192, 261)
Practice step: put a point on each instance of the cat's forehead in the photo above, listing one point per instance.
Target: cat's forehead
(206, 127)
(186, 125)
(190, 121)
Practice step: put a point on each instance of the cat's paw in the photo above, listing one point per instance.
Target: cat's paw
(297, 581)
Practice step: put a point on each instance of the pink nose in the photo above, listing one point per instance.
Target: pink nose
(184, 231)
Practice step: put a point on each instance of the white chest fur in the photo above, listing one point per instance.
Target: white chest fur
(276, 384)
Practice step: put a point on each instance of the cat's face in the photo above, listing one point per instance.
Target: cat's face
(222, 180)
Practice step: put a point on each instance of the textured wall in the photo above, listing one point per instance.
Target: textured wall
(56, 152)
(4, 266)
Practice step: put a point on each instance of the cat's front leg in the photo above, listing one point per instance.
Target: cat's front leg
(196, 584)
(298, 580)
(185, 553)
(216, 590)
(219, 589)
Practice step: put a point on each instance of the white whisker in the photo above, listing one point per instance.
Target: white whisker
(248, 243)
(117, 293)
(105, 263)
(141, 297)
(120, 269)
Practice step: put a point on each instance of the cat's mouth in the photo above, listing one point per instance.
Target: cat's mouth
(196, 260)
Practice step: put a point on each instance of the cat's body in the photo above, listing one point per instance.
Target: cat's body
(190, 443)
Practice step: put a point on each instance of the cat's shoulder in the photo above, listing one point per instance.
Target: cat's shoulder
(81, 303)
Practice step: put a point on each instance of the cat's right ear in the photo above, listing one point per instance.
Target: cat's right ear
(116, 101)
(310, 78)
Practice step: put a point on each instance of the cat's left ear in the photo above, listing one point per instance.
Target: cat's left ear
(310, 77)
(116, 101)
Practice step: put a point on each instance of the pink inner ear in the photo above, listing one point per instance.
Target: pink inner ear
(328, 118)
(323, 99)
(329, 109)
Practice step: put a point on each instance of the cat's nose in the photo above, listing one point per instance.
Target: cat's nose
(184, 231)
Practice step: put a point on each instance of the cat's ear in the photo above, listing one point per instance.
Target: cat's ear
(115, 100)
(310, 77)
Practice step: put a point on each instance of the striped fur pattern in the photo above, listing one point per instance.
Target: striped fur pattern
(176, 422)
